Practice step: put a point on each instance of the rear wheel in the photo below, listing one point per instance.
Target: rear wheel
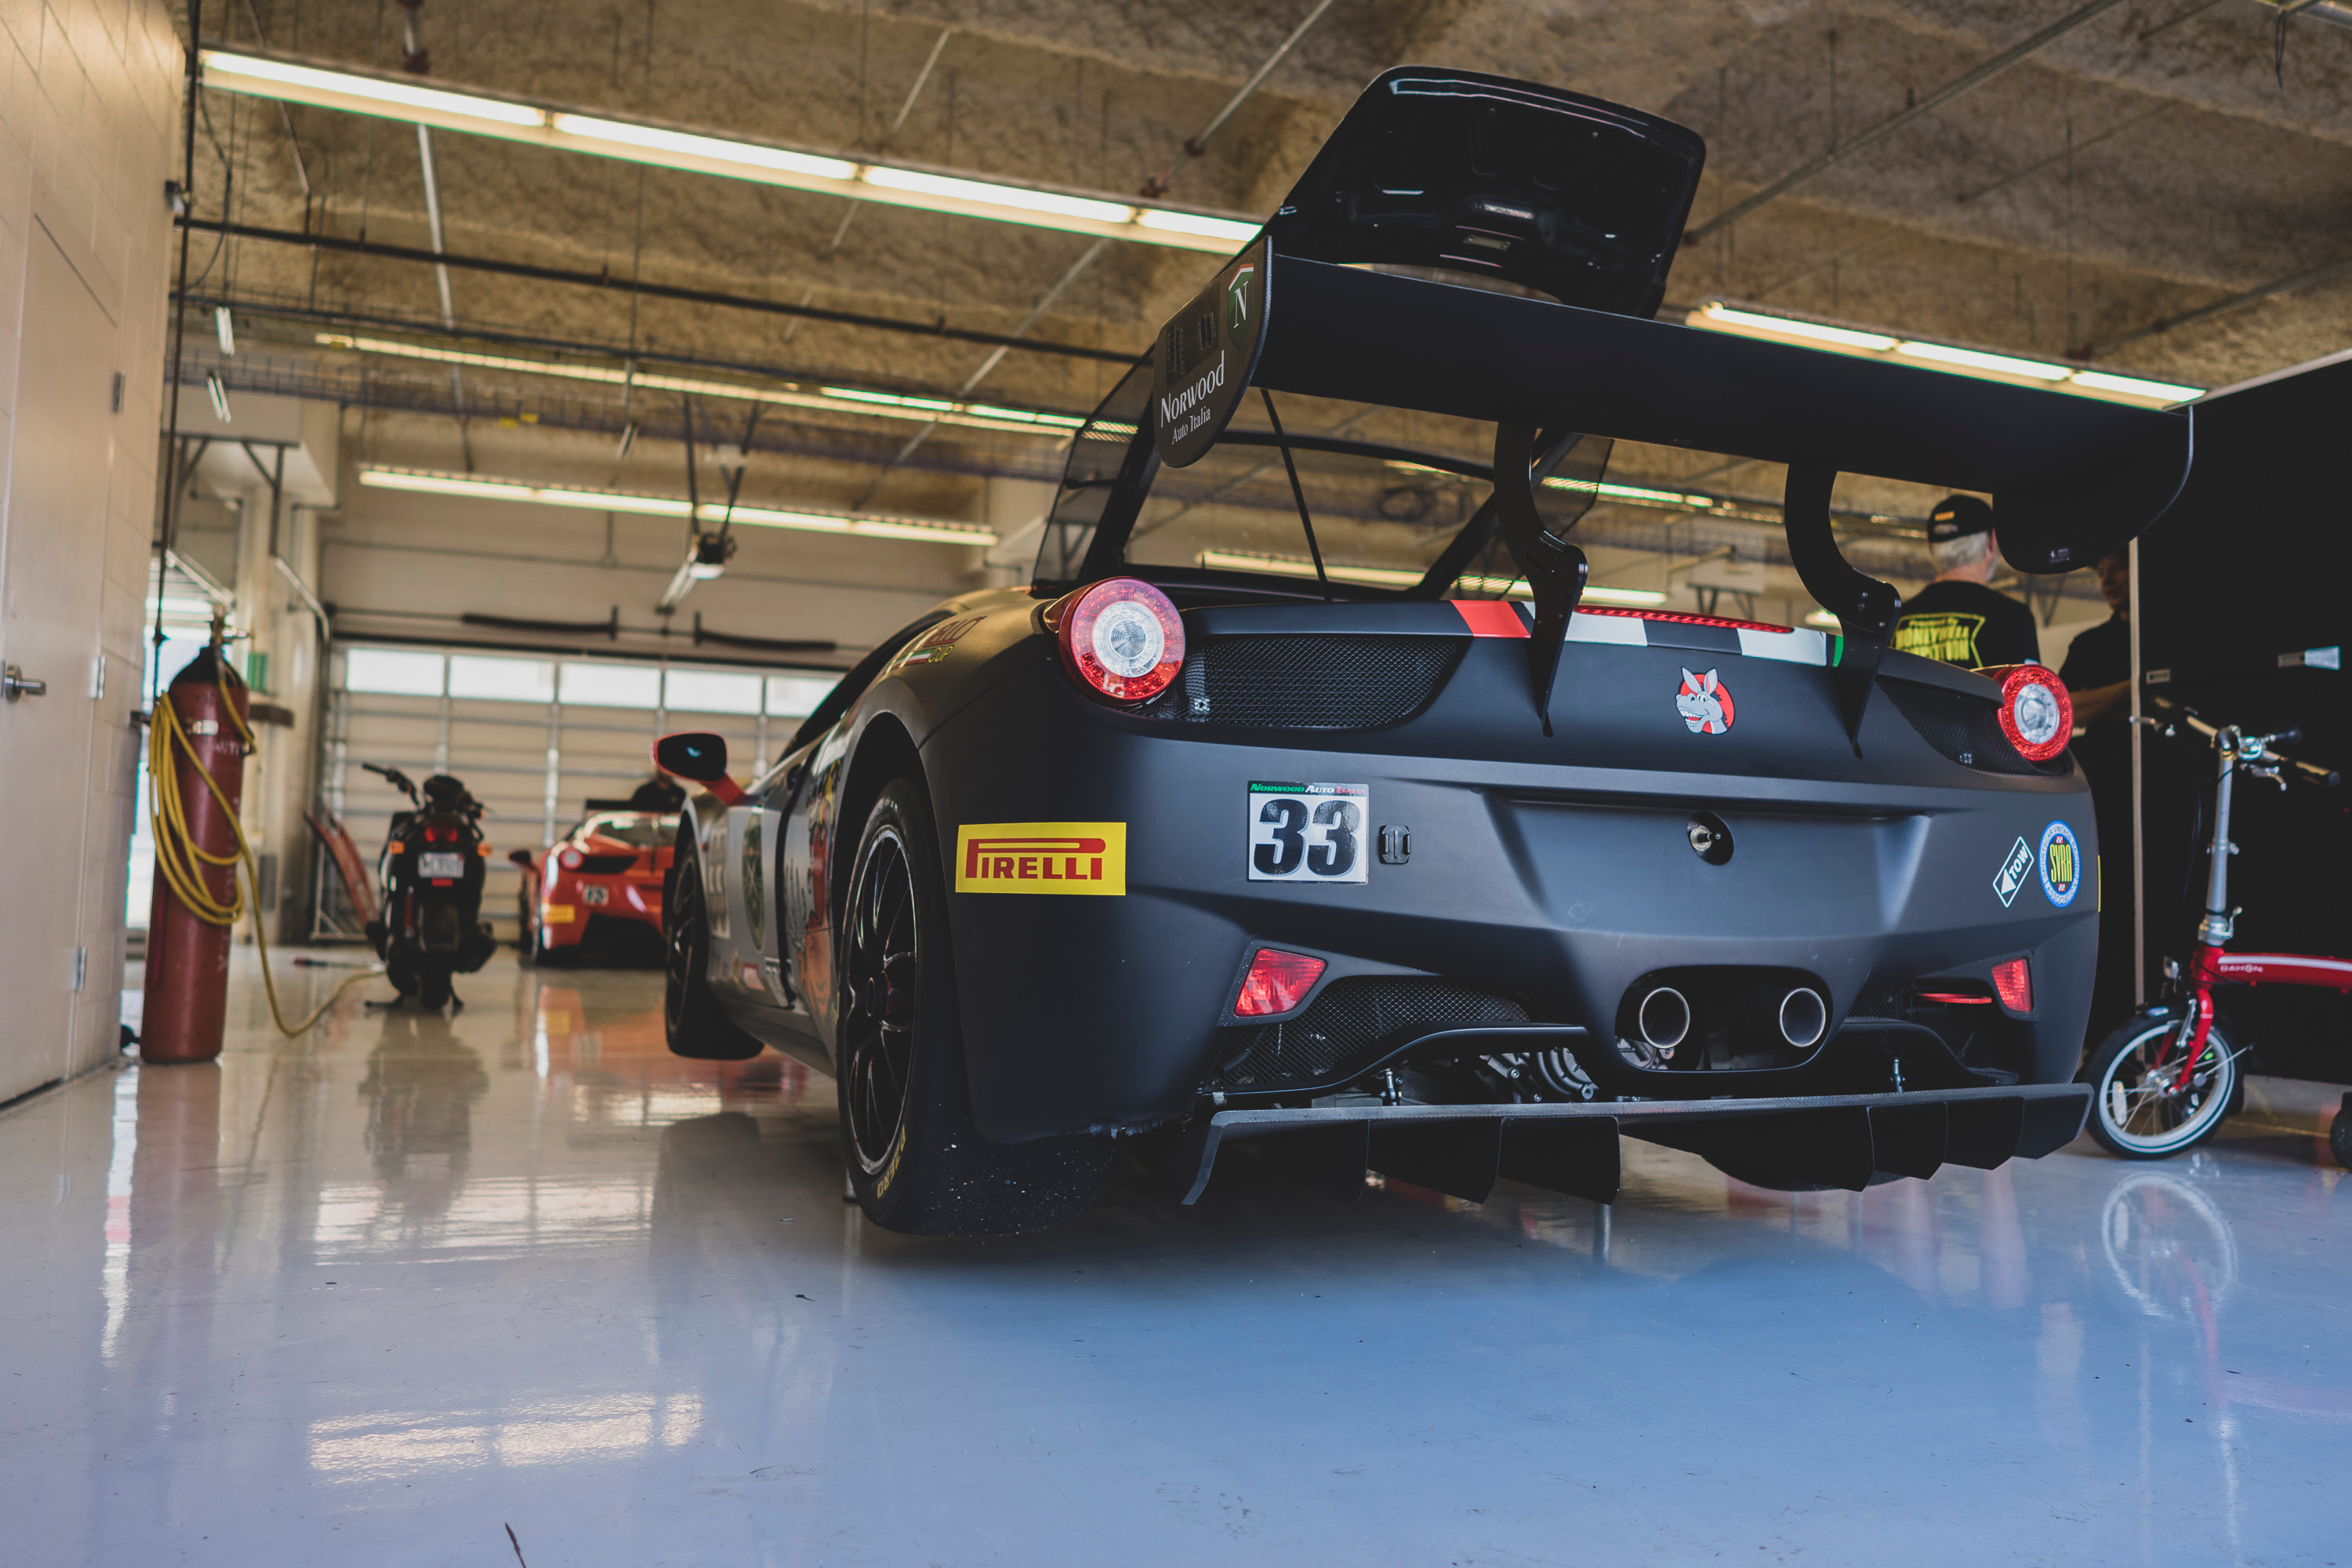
(692, 1021)
(433, 986)
(2339, 1134)
(916, 1163)
(2140, 1109)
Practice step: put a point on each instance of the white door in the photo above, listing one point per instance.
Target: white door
(52, 568)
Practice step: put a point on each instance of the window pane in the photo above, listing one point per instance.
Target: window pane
(395, 670)
(713, 692)
(612, 685)
(796, 696)
(501, 679)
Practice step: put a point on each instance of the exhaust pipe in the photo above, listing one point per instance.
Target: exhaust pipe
(1803, 1017)
(1663, 1019)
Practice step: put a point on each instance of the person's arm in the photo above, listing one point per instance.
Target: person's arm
(2097, 704)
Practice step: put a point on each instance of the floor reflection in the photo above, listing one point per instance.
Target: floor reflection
(381, 1293)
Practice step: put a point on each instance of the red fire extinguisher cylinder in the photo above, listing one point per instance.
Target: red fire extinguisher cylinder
(187, 956)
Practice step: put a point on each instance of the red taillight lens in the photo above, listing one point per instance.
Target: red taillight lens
(2015, 981)
(1121, 639)
(1277, 982)
(2036, 715)
(440, 832)
(570, 859)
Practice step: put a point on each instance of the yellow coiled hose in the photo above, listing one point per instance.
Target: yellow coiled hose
(180, 860)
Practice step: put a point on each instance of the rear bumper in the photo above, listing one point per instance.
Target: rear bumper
(1555, 873)
(1818, 1141)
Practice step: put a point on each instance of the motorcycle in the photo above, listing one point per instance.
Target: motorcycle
(2168, 1076)
(429, 927)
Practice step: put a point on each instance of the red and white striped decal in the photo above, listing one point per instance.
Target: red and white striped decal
(1625, 628)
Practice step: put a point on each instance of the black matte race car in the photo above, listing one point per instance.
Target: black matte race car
(1304, 797)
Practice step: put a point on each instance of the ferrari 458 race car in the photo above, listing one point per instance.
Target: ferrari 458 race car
(597, 893)
(1204, 837)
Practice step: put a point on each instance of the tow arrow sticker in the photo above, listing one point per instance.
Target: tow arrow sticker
(2014, 872)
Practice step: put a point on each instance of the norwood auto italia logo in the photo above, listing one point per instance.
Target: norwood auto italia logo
(1182, 411)
(1042, 858)
(1704, 704)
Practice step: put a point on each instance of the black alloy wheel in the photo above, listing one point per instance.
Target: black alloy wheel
(692, 1021)
(882, 990)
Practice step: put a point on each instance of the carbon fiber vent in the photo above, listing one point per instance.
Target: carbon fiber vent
(1340, 1035)
(1964, 727)
(1329, 681)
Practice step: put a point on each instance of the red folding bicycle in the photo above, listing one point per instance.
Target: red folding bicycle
(2168, 1076)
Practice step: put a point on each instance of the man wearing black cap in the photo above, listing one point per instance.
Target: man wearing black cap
(1957, 618)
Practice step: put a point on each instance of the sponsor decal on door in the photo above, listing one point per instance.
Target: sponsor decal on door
(1042, 858)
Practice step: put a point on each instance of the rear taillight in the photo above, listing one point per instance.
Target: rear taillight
(2036, 715)
(2014, 983)
(1277, 982)
(571, 859)
(1121, 639)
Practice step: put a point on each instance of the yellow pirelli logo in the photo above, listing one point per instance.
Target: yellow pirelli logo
(1042, 858)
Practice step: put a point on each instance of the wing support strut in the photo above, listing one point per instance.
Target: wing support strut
(1864, 607)
(1554, 568)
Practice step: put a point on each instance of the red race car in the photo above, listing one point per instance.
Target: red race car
(596, 894)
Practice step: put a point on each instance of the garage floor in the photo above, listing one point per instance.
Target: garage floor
(386, 1296)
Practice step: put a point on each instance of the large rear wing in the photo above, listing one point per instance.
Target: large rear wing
(1445, 172)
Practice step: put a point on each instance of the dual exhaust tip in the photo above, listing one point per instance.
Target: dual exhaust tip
(1801, 1015)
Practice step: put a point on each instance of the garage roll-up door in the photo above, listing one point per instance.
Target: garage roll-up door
(533, 738)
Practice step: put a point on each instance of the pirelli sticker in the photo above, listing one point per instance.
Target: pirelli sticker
(1042, 858)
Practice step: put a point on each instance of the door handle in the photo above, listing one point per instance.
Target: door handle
(14, 684)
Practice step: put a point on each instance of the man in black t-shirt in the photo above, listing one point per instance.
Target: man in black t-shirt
(2097, 671)
(1957, 618)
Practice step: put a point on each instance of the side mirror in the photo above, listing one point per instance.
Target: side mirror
(523, 857)
(694, 754)
(698, 756)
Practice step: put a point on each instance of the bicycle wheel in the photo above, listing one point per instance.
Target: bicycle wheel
(2140, 1109)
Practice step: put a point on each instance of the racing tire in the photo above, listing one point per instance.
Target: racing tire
(693, 1024)
(2133, 1114)
(2339, 1134)
(433, 987)
(916, 1162)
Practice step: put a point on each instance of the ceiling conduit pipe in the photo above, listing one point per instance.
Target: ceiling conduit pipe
(1896, 121)
(1152, 189)
(418, 62)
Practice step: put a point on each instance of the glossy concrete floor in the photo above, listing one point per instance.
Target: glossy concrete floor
(388, 1293)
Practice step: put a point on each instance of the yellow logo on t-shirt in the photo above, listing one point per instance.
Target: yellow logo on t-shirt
(1949, 638)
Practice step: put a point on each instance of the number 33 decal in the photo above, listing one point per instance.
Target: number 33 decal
(1308, 832)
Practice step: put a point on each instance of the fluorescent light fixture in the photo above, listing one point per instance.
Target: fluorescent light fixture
(914, 182)
(1844, 337)
(219, 395)
(2136, 386)
(226, 328)
(426, 482)
(703, 150)
(1398, 577)
(548, 125)
(2058, 375)
(294, 83)
(1977, 359)
(1631, 493)
(831, 399)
